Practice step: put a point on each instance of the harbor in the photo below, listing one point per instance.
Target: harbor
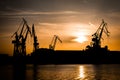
(93, 54)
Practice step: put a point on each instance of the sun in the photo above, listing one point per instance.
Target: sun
(79, 32)
(80, 39)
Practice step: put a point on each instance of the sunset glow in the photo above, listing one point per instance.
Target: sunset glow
(80, 39)
(74, 21)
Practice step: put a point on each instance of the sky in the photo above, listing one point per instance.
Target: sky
(74, 21)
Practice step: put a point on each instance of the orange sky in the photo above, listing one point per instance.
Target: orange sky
(70, 20)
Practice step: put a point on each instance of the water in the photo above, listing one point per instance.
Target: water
(60, 72)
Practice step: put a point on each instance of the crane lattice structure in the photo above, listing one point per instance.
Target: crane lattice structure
(97, 36)
(35, 44)
(20, 39)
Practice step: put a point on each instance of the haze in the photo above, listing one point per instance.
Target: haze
(74, 21)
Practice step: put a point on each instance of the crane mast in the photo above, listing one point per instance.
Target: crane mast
(16, 43)
(54, 41)
(36, 44)
(24, 37)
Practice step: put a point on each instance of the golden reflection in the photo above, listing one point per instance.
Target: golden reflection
(81, 74)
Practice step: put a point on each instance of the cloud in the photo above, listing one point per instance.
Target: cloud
(48, 24)
(68, 39)
(60, 5)
(35, 13)
(5, 35)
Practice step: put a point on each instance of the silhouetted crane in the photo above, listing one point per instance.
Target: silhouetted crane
(97, 36)
(53, 42)
(20, 39)
(24, 37)
(16, 43)
(36, 44)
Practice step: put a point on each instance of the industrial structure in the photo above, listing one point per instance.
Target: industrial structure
(94, 52)
(97, 36)
(54, 41)
(35, 44)
(20, 37)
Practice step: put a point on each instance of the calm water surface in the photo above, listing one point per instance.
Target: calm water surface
(60, 72)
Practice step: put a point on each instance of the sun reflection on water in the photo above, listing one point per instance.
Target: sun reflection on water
(81, 74)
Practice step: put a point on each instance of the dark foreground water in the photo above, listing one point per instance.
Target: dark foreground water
(60, 72)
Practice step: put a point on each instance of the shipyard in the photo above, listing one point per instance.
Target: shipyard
(93, 53)
(59, 39)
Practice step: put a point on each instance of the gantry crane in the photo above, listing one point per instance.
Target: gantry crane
(53, 42)
(97, 36)
(20, 39)
(36, 44)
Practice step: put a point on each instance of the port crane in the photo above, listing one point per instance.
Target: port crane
(20, 39)
(35, 44)
(16, 43)
(97, 36)
(24, 37)
(54, 41)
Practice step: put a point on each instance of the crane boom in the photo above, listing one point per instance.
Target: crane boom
(54, 41)
(24, 22)
(28, 31)
(24, 37)
(59, 39)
